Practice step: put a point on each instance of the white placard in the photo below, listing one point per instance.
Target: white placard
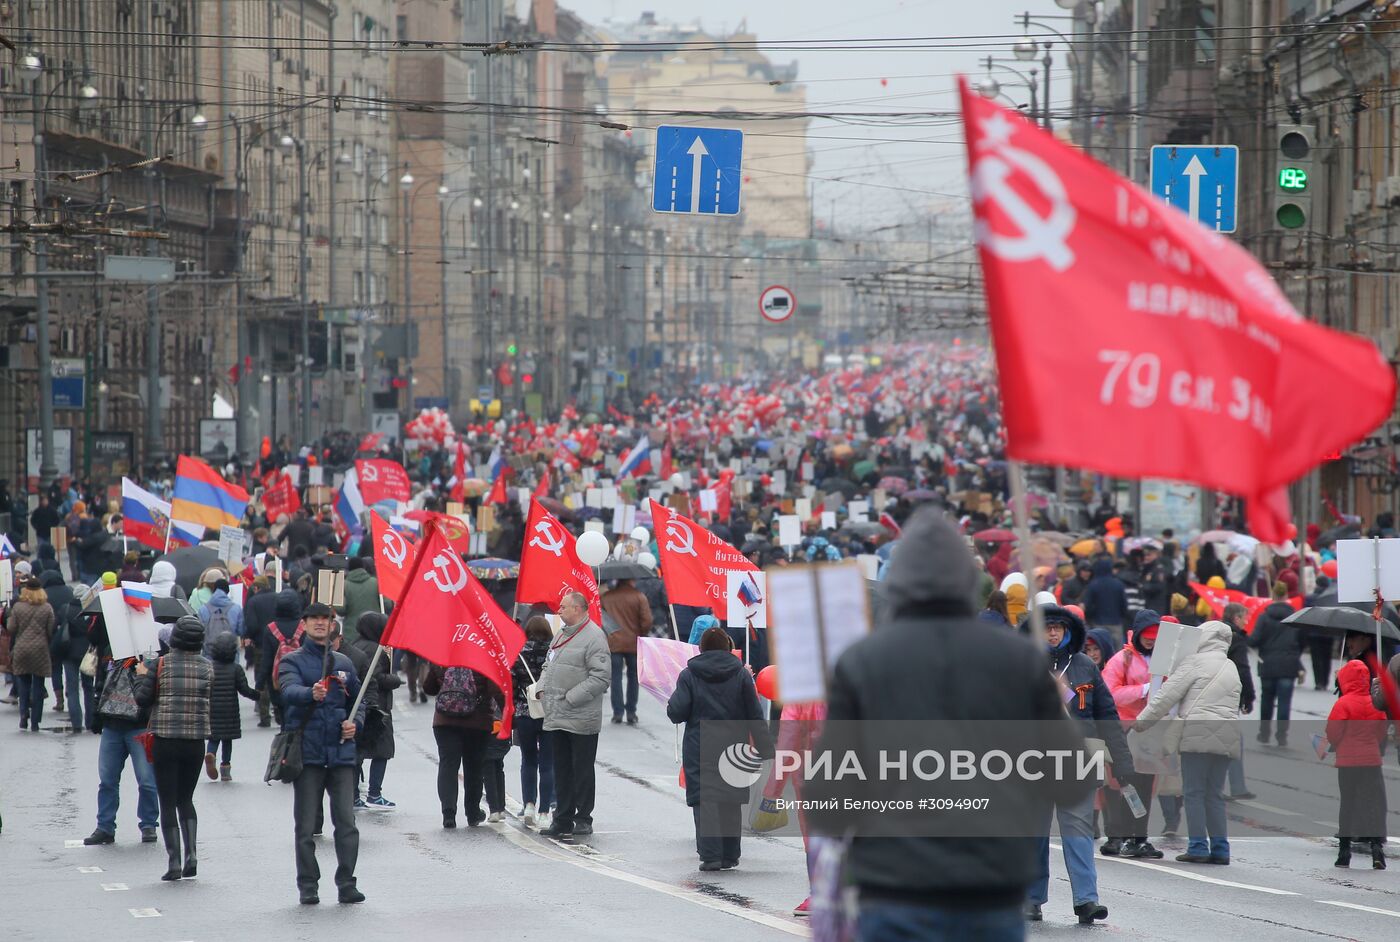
(743, 612)
(878, 499)
(589, 476)
(828, 520)
(816, 613)
(809, 491)
(7, 580)
(857, 510)
(709, 501)
(1175, 643)
(619, 520)
(478, 544)
(609, 497)
(764, 464)
(613, 463)
(803, 508)
(230, 544)
(337, 480)
(789, 530)
(293, 471)
(779, 482)
(129, 632)
(235, 593)
(316, 475)
(736, 465)
(869, 565)
(595, 526)
(809, 470)
(656, 494)
(593, 497)
(1356, 570)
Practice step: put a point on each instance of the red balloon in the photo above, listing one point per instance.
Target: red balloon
(1291, 531)
(767, 682)
(1329, 569)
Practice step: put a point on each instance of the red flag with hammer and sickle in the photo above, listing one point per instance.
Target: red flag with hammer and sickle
(550, 567)
(695, 564)
(1111, 310)
(393, 557)
(447, 617)
(381, 479)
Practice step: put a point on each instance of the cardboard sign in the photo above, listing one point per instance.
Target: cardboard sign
(788, 506)
(803, 508)
(828, 520)
(7, 580)
(231, 540)
(316, 475)
(330, 587)
(455, 509)
(816, 613)
(316, 496)
(746, 599)
(486, 518)
(58, 536)
(869, 566)
(878, 499)
(789, 530)
(680, 503)
(857, 511)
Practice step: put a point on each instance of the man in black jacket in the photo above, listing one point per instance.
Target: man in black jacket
(1236, 616)
(917, 666)
(1280, 658)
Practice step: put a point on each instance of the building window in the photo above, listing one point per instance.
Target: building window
(357, 292)
(359, 158)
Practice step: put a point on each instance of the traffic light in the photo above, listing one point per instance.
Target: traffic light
(1293, 175)
(512, 349)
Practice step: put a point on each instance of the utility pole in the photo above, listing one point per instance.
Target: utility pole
(155, 431)
(48, 469)
(305, 298)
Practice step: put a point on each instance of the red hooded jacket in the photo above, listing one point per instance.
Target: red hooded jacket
(1355, 728)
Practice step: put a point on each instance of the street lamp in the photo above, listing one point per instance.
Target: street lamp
(988, 87)
(1025, 50)
(87, 97)
(199, 122)
(406, 181)
(290, 143)
(31, 66)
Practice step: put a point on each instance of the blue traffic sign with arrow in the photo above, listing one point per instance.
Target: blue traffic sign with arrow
(699, 171)
(1202, 182)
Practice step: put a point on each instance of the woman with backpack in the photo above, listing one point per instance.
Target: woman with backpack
(67, 649)
(230, 681)
(376, 740)
(31, 625)
(536, 757)
(465, 710)
(178, 690)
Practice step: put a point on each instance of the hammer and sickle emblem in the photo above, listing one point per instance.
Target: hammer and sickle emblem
(1041, 237)
(548, 540)
(370, 474)
(685, 540)
(395, 547)
(450, 582)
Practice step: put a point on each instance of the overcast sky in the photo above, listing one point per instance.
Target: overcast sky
(907, 169)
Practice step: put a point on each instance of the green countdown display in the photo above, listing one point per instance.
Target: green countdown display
(1292, 178)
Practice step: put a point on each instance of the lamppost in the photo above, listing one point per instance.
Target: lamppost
(444, 210)
(990, 83)
(410, 193)
(1083, 18)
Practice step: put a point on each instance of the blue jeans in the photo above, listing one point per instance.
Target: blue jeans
(112, 753)
(1203, 792)
(31, 699)
(78, 687)
(536, 762)
(1077, 841)
(630, 660)
(377, 768)
(882, 921)
(1275, 690)
(1237, 785)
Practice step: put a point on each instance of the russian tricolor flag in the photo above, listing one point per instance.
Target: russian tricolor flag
(495, 464)
(748, 592)
(638, 460)
(145, 518)
(137, 595)
(350, 505)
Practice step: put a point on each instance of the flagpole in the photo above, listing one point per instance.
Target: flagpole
(364, 681)
(675, 632)
(1021, 513)
(169, 525)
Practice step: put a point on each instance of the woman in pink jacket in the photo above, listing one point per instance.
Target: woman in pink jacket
(1128, 680)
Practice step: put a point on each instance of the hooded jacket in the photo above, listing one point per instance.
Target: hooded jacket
(918, 665)
(1127, 677)
(1105, 598)
(377, 735)
(1355, 728)
(715, 695)
(66, 611)
(220, 602)
(162, 581)
(1280, 646)
(1092, 703)
(287, 617)
(230, 682)
(1206, 691)
(361, 596)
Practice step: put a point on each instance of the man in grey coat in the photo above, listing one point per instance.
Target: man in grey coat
(572, 687)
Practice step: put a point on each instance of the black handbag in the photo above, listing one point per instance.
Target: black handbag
(284, 760)
(119, 696)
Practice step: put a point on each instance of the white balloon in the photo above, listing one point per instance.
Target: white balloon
(592, 548)
(647, 560)
(641, 535)
(678, 481)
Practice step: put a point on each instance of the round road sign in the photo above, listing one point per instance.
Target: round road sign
(777, 304)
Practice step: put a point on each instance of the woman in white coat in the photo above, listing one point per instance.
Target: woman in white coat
(1205, 689)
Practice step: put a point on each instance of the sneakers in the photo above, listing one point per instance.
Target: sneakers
(1034, 913)
(583, 830)
(380, 803)
(1088, 912)
(631, 719)
(360, 804)
(1193, 858)
(103, 837)
(803, 908)
(530, 814)
(496, 817)
(225, 773)
(1144, 849)
(148, 835)
(1242, 796)
(1112, 847)
(211, 766)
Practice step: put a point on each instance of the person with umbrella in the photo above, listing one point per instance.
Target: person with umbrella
(1356, 735)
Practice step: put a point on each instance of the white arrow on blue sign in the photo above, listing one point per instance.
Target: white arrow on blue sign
(698, 171)
(1202, 182)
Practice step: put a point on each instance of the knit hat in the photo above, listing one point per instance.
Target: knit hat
(109, 580)
(188, 634)
(23, 568)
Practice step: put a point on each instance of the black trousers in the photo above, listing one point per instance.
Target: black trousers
(464, 751)
(178, 763)
(1320, 649)
(1118, 820)
(314, 782)
(717, 830)
(574, 784)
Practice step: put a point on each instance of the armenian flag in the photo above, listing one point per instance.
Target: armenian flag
(202, 497)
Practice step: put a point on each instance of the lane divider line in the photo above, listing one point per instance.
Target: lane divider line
(1201, 878)
(1364, 909)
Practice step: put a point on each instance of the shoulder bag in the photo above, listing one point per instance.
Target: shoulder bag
(147, 738)
(284, 760)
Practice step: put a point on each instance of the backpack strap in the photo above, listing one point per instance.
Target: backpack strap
(272, 627)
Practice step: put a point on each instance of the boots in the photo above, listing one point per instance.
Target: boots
(188, 826)
(1377, 855)
(1265, 729)
(171, 834)
(1343, 852)
(225, 773)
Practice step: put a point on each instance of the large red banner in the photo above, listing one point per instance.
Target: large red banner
(550, 567)
(695, 564)
(381, 479)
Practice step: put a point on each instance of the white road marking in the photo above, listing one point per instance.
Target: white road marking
(111, 887)
(551, 852)
(1260, 806)
(1201, 878)
(89, 869)
(71, 844)
(1364, 909)
(146, 913)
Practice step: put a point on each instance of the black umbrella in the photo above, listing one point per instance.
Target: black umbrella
(1341, 620)
(1347, 531)
(163, 608)
(622, 569)
(190, 562)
